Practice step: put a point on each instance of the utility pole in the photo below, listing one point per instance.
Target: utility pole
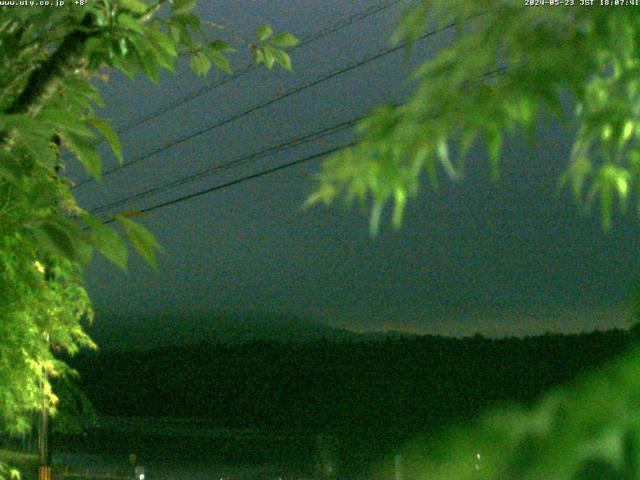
(44, 472)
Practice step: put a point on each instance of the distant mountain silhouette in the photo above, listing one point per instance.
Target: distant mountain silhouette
(373, 393)
(153, 331)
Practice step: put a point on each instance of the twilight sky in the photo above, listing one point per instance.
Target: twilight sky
(513, 257)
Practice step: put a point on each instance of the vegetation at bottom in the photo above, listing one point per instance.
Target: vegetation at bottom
(373, 396)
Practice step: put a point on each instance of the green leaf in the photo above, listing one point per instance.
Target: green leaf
(183, 6)
(122, 46)
(606, 200)
(200, 64)
(282, 58)
(576, 175)
(175, 32)
(65, 121)
(443, 155)
(189, 20)
(136, 6)
(466, 141)
(27, 126)
(126, 66)
(220, 45)
(258, 55)
(10, 169)
(430, 166)
(164, 41)
(221, 62)
(108, 242)
(142, 239)
(269, 58)
(494, 145)
(109, 135)
(399, 206)
(85, 152)
(43, 195)
(284, 40)
(264, 32)
(147, 60)
(163, 58)
(56, 239)
(374, 223)
(82, 88)
(127, 21)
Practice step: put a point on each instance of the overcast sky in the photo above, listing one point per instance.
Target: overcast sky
(514, 257)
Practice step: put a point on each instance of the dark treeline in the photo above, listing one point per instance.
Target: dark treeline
(385, 390)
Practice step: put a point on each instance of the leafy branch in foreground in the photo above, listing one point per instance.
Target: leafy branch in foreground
(48, 58)
(589, 430)
(590, 55)
(544, 56)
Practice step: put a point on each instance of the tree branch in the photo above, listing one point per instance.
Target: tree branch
(44, 81)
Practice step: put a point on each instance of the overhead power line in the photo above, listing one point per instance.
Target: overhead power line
(241, 180)
(334, 73)
(293, 142)
(336, 27)
(296, 141)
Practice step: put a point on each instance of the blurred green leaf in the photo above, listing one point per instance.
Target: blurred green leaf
(284, 40)
(220, 61)
(494, 145)
(56, 239)
(127, 21)
(163, 41)
(269, 57)
(108, 242)
(183, 6)
(85, 152)
(136, 6)
(282, 58)
(109, 135)
(200, 64)
(142, 240)
(264, 32)
(65, 121)
(220, 45)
